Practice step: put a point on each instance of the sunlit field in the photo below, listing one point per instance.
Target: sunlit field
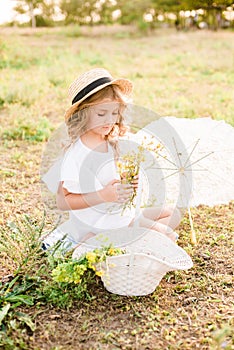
(182, 74)
(174, 73)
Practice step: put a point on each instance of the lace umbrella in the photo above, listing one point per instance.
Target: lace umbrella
(195, 165)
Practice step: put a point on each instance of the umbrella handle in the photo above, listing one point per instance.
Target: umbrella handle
(193, 233)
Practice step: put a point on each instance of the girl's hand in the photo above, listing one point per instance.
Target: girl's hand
(124, 192)
(114, 191)
(109, 192)
(135, 182)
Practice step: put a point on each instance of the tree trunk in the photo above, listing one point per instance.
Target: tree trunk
(33, 19)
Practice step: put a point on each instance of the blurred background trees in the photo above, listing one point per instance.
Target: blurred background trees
(40, 12)
(184, 14)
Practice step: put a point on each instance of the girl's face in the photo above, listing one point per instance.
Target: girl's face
(103, 117)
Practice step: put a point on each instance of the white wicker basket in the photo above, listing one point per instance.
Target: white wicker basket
(132, 274)
(149, 256)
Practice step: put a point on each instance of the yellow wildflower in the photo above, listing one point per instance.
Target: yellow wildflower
(91, 266)
(91, 257)
(99, 273)
(111, 251)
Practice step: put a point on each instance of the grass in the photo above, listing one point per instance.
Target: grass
(186, 75)
(189, 308)
(182, 74)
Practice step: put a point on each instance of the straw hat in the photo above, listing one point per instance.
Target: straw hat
(90, 82)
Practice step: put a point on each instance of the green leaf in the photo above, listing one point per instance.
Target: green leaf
(25, 299)
(9, 286)
(26, 319)
(4, 311)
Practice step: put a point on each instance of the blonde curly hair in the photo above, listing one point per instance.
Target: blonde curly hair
(77, 123)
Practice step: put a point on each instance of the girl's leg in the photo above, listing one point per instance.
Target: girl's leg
(87, 236)
(77, 253)
(168, 216)
(163, 220)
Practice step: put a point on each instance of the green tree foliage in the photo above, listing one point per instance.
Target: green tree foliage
(79, 11)
(133, 11)
(213, 10)
(28, 7)
(208, 4)
(106, 10)
(46, 9)
(168, 5)
(101, 11)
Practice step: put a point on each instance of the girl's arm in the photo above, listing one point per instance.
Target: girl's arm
(74, 201)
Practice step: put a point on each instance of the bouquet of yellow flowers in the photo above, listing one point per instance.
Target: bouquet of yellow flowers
(74, 270)
(129, 164)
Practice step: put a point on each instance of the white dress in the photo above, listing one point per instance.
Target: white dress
(83, 170)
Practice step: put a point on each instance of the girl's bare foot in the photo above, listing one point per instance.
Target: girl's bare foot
(166, 230)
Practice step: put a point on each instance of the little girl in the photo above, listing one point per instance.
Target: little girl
(89, 182)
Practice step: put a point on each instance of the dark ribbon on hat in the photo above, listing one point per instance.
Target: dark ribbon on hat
(89, 88)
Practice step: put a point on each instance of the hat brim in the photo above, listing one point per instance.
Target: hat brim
(124, 85)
